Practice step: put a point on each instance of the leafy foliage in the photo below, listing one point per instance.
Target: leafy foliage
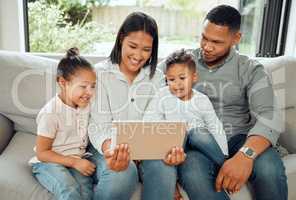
(50, 32)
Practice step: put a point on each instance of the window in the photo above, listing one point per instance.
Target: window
(274, 28)
(91, 25)
(252, 15)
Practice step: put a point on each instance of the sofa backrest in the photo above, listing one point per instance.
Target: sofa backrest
(283, 71)
(26, 83)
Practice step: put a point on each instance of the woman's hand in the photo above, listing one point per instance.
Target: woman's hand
(175, 156)
(85, 167)
(117, 159)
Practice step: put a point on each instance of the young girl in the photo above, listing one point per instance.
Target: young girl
(61, 163)
(126, 83)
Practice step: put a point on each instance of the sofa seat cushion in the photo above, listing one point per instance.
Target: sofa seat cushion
(16, 180)
(290, 164)
(288, 138)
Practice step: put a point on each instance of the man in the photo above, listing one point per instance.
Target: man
(242, 95)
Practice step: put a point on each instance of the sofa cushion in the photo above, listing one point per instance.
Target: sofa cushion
(290, 164)
(27, 83)
(14, 162)
(6, 132)
(283, 71)
(288, 138)
(283, 74)
(16, 180)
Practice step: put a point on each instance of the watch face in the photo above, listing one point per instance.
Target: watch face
(249, 152)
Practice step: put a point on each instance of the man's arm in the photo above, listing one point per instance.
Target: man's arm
(263, 107)
(257, 143)
(236, 171)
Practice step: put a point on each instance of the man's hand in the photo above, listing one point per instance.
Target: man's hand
(119, 158)
(234, 173)
(175, 156)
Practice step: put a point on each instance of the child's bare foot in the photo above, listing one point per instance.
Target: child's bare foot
(178, 195)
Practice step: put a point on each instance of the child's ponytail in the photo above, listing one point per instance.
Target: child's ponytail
(72, 53)
(72, 62)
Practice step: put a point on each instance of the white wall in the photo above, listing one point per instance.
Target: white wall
(11, 25)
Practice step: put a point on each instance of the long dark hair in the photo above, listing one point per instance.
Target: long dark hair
(137, 21)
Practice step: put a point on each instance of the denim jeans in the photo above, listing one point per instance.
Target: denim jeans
(198, 174)
(204, 142)
(159, 180)
(110, 184)
(65, 183)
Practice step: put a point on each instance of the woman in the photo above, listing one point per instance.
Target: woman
(126, 83)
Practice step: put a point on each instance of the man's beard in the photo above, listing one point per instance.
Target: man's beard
(218, 60)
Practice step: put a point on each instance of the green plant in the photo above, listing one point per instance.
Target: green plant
(76, 11)
(50, 32)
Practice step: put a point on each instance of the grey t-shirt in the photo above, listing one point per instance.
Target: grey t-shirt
(241, 93)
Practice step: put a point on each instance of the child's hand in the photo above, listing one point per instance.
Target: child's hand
(175, 157)
(119, 158)
(85, 167)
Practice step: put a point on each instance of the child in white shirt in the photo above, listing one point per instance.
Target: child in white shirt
(60, 164)
(180, 102)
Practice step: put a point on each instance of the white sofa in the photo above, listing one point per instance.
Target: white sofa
(27, 82)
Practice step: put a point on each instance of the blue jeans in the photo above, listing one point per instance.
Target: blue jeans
(110, 184)
(65, 183)
(198, 174)
(159, 180)
(204, 142)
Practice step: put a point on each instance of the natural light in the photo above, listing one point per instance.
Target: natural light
(56, 25)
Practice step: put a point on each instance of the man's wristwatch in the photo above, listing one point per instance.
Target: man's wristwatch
(248, 152)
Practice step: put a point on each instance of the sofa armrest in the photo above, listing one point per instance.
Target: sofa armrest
(6, 132)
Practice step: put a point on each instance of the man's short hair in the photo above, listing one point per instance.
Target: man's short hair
(181, 57)
(225, 15)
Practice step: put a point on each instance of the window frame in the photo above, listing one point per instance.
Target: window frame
(274, 28)
(271, 43)
(26, 25)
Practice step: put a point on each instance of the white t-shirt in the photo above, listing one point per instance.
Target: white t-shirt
(198, 112)
(67, 126)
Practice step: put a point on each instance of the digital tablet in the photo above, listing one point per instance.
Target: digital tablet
(148, 140)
